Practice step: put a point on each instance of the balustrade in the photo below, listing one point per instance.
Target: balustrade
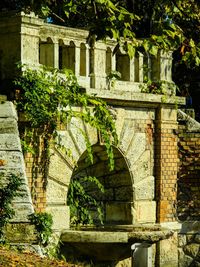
(63, 47)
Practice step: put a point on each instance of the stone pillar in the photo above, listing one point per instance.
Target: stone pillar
(77, 60)
(139, 72)
(30, 27)
(98, 65)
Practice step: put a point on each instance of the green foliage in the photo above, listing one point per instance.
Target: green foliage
(158, 87)
(47, 100)
(81, 203)
(9, 189)
(43, 223)
(112, 77)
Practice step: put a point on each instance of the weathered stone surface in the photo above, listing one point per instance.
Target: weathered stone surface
(191, 250)
(136, 148)
(142, 168)
(61, 216)
(20, 232)
(182, 240)
(144, 190)
(23, 209)
(183, 260)
(76, 129)
(8, 125)
(168, 252)
(13, 159)
(68, 143)
(56, 193)
(7, 110)
(59, 168)
(126, 134)
(10, 142)
(145, 211)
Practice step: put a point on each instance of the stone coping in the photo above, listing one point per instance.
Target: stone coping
(131, 98)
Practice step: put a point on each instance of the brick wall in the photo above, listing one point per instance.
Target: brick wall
(166, 166)
(189, 174)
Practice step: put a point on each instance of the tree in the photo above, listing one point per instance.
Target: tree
(137, 25)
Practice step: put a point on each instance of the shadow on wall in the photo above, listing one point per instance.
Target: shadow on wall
(116, 200)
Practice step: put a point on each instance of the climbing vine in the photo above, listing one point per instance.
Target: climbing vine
(43, 223)
(47, 98)
(9, 189)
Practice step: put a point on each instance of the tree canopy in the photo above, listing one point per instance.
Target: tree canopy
(137, 25)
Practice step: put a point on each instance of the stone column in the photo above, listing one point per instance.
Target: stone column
(98, 65)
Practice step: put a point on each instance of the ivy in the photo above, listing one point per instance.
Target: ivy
(9, 189)
(81, 203)
(43, 223)
(47, 99)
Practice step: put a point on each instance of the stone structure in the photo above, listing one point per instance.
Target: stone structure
(142, 189)
(12, 163)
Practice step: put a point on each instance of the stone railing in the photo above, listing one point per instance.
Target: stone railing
(30, 40)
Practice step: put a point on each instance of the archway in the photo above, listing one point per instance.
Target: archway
(117, 198)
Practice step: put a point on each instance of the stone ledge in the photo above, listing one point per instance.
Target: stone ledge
(134, 99)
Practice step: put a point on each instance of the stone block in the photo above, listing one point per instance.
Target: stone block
(10, 142)
(118, 212)
(7, 109)
(136, 148)
(127, 133)
(142, 168)
(22, 210)
(61, 217)
(59, 169)
(56, 193)
(8, 125)
(145, 211)
(144, 190)
(67, 141)
(13, 159)
(168, 252)
(168, 114)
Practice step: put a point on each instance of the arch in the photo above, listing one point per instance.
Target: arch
(67, 55)
(82, 59)
(46, 52)
(123, 65)
(117, 198)
(108, 61)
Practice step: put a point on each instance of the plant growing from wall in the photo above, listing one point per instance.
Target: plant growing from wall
(81, 203)
(47, 98)
(158, 87)
(9, 189)
(112, 77)
(43, 223)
